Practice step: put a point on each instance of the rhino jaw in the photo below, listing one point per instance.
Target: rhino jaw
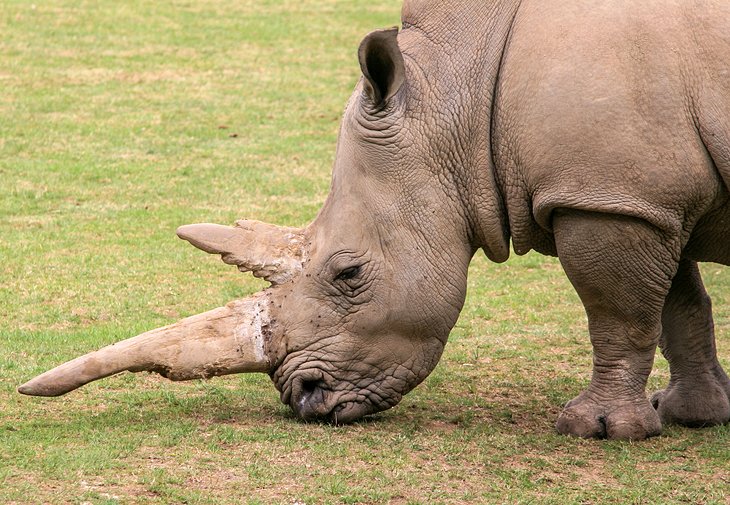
(231, 339)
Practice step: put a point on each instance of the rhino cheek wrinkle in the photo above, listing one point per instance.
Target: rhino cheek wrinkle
(476, 127)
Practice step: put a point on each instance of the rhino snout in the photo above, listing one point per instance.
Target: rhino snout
(312, 398)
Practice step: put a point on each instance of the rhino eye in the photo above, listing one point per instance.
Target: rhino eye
(348, 273)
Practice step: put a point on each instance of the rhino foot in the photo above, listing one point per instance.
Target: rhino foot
(695, 402)
(587, 417)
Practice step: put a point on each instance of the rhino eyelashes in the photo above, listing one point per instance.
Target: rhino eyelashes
(348, 273)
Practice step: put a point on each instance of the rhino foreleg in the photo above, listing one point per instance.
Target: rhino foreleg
(621, 268)
(698, 393)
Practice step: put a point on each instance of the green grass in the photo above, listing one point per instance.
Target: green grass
(120, 121)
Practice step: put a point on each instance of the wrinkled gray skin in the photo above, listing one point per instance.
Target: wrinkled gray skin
(595, 131)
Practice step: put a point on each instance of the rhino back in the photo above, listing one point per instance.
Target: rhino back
(614, 107)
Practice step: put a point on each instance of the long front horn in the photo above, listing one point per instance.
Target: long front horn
(271, 252)
(226, 340)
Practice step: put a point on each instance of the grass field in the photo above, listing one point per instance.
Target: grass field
(120, 121)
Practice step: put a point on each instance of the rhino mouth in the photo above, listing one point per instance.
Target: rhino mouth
(312, 405)
(315, 396)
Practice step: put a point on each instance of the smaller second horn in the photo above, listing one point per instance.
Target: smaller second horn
(271, 252)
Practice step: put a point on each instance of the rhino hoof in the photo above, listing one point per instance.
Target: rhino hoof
(621, 420)
(696, 403)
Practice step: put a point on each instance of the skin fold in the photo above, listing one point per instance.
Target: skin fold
(595, 131)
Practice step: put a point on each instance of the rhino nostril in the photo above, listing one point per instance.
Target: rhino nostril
(309, 399)
(309, 387)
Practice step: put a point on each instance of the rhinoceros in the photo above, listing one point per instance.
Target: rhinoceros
(596, 131)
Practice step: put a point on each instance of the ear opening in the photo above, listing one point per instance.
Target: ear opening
(382, 65)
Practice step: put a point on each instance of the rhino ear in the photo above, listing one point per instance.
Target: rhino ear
(382, 65)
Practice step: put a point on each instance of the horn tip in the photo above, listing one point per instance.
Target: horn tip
(38, 388)
(211, 238)
(185, 232)
(195, 234)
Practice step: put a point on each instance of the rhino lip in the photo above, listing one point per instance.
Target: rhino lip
(311, 399)
(314, 395)
(346, 412)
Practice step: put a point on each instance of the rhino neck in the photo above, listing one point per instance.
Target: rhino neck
(456, 48)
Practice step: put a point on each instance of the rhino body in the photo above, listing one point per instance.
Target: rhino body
(595, 131)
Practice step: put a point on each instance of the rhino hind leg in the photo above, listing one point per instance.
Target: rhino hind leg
(621, 268)
(698, 393)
